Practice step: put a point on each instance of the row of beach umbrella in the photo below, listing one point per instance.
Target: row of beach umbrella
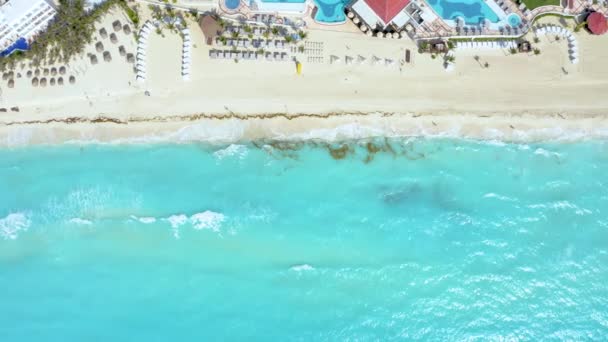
(142, 44)
(349, 60)
(564, 33)
(186, 54)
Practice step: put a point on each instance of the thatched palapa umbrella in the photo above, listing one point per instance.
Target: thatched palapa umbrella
(117, 26)
(18, 75)
(11, 83)
(35, 81)
(29, 73)
(107, 57)
(99, 46)
(43, 82)
(72, 79)
(103, 33)
(52, 81)
(5, 76)
(62, 70)
(113, 38)
(53, 71)
(126, 29)
(121, 50)
(45, 72)
(37, 72)
(130, 58)
(93, 59)
(60, 81)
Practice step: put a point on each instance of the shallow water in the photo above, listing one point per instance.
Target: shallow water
(390, 239)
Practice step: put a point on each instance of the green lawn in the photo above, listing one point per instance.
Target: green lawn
(532, 4)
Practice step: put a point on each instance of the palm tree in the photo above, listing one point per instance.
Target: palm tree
(513, 51)
(303, 35)
(536, 51)
(275, 31)
(536, 40)
(486, 65)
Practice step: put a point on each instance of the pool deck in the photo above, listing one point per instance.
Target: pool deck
(434, 27)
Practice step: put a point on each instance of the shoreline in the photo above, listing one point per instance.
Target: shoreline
(233, 128)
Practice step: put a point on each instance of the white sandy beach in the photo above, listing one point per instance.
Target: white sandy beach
(518, 97)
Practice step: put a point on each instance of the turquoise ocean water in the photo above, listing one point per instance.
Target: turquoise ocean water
(392, 239)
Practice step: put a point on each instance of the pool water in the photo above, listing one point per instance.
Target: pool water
(330, 11)
(19, 45)
(514, 20)
(473, 11)
(232, 4)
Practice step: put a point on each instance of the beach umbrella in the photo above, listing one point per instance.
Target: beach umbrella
(574, 60)
(11, 83)
(35, 81)
(334, 59)
(99, 46)
(29, 73)
(45, 72)
(60, 81)
(126, 29)
(43, 82)
(107, 57)
(93, 59)
(395, 35)
(5, 76)
(72, 79)
(350, 14)
(388, 62)
(117, 26)
(37, 72)
(130, 58)
(363, 28)
(62, 70)
(356, 21)
(369, 33)
(449, 67)
(375, 60)
(103, 33)
(113, 38)
(53, 71)
(52, 81)
(348, 60)
(361, 59)
(121, 50)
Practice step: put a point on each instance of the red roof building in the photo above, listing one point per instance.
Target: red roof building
(387, 9)
(381, 12)
(596, 22)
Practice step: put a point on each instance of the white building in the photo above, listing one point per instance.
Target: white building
(23, 19)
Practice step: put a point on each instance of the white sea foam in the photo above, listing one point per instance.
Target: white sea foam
(13, 224)
(177, 220)
(79, 221)
(302, 268)
(542, 152)
(207, 220)
(145, 220)
(239, 151)
(499, 197)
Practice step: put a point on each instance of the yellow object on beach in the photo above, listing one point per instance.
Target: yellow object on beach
(299, 68)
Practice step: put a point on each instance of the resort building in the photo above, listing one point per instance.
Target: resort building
(21, 21)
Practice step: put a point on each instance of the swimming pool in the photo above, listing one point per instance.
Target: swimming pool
(473, 11)
(330, 11)
(232, 4)
(19, 45)
(514, 20)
